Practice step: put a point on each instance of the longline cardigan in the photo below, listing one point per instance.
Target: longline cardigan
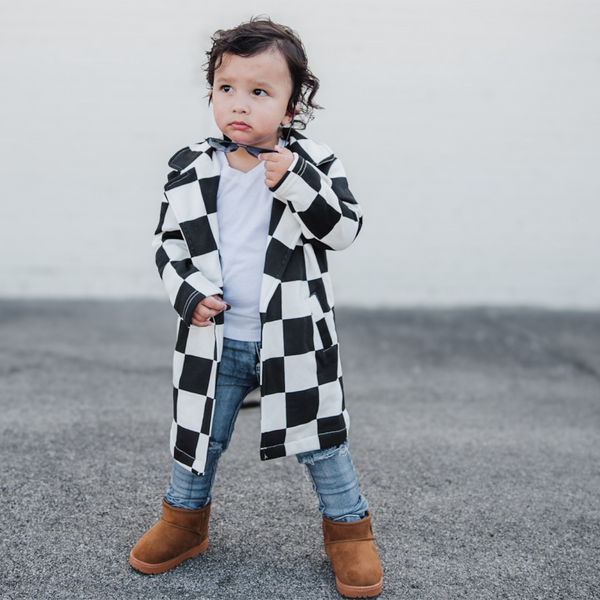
(302, 398)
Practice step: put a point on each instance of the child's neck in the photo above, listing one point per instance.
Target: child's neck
(241, 160)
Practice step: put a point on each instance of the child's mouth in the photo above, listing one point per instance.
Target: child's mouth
(239, 126)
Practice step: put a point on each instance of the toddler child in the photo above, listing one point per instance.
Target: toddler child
(241, 248)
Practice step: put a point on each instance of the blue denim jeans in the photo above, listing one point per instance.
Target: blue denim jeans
(331, 470)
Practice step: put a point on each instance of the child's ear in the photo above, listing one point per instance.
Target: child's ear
(290, 114)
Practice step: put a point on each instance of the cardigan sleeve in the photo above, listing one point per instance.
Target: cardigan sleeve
(320, 199)
(185, 284)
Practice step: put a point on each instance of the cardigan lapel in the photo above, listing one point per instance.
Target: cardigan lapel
(192, 196)
(284, 233)
(282, 241)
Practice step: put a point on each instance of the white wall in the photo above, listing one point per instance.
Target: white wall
(469, 130)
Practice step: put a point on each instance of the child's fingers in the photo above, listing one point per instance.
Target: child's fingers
(279, 154)
(201, 318)
(214, 303)
(210, 307)
(201, 315)
(272, 168)
(283, 151)
(202, 312)
(199, 323)
(272, 177)
(276, 164)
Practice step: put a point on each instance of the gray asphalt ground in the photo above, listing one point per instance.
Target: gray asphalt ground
(475, 436)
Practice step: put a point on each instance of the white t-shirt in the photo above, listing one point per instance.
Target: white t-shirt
(244, 205)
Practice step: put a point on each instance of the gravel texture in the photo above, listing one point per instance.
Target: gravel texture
(475, 434)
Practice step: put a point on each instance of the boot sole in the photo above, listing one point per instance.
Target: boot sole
(151, 569)
(358, 591)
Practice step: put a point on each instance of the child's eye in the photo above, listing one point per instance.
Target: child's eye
(226, 88)
(259, 92)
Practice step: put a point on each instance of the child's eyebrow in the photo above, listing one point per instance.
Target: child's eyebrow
(226, 79)
(263, 84)
(233, 77)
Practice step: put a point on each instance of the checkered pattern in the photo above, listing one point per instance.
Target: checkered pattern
(302, 406)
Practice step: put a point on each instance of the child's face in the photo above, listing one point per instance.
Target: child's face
(250, 97)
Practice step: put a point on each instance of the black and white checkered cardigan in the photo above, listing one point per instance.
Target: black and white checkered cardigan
(302, 405)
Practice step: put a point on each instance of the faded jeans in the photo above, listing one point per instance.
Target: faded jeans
(331, 470)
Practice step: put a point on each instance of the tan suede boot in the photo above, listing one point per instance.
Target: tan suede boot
(351, 550)
(179, 535)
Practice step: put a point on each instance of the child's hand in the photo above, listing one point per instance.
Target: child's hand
(208, 308)
(276, 164)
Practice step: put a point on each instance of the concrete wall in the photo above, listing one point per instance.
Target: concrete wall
(470, 132)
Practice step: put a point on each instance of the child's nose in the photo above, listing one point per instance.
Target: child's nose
(240, 106)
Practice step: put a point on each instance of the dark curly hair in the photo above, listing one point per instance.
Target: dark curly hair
(259, 35)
